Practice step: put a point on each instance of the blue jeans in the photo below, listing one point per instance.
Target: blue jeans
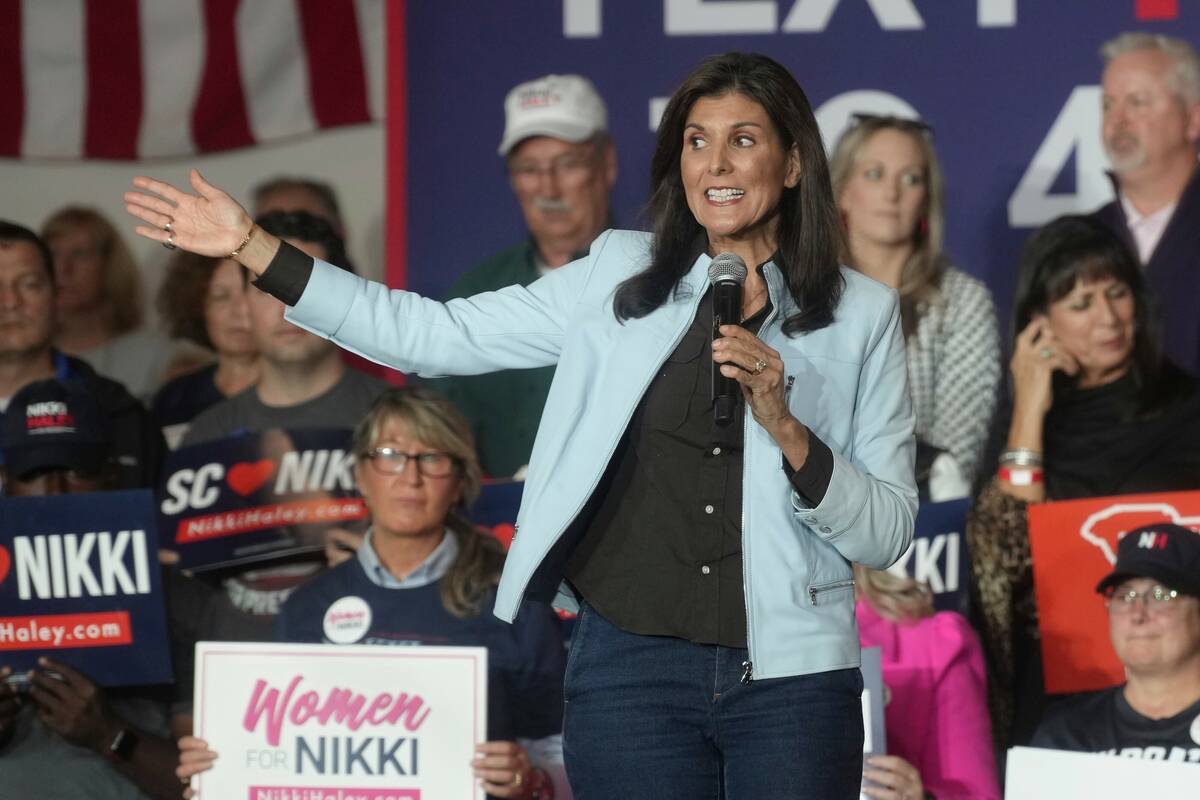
(662, 718)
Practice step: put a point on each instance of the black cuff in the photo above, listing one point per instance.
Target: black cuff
(811, 481)
(287, 274)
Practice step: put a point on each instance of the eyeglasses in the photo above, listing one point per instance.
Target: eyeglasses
(1156, 600)
(388, 461)
(891, 121)
(567, 168)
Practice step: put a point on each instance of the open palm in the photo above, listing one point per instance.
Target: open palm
(209, 222)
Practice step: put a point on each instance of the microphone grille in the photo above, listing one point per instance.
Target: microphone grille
(727, 267)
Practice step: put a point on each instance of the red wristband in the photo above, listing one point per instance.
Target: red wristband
(1021, 476)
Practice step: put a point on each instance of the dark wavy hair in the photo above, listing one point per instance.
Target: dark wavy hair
(1074, 248)
(12, 232)
(308, 228)
(810, 233)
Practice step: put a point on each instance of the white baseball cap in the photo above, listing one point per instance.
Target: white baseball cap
(562, 106)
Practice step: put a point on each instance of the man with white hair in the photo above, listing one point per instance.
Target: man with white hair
(561, 167)
(1151, 129)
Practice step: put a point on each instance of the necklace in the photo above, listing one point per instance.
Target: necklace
(749, 303)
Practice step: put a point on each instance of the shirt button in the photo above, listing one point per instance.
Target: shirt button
(705, 570)
(708, 509)
(716, 451)
(826, 529)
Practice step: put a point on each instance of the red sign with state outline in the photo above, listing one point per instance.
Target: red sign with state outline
(1073, 544)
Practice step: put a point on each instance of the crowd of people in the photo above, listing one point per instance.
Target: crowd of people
(1089, 393)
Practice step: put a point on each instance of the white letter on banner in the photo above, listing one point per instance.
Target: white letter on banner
(701, 17)
(997, 13)
(32, 566)
(811, 16)
(833, 116)
(1075, 131)
(581, 19)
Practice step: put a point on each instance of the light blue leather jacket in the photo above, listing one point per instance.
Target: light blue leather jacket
(850, 388)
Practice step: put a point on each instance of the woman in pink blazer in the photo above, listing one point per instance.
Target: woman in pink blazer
(939, 737)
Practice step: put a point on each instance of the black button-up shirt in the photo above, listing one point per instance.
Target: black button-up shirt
(663, 553)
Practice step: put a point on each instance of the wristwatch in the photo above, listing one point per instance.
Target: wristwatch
(122, 746)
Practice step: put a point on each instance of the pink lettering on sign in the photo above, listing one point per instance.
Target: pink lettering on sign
(316, 793)
(342, 706)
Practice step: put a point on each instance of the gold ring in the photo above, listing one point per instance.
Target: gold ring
(167, 227)
(518, 779)
(170, 242)
(759, 366)
(1045, 352)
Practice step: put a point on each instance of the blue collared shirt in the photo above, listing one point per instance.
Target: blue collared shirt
(435, 565)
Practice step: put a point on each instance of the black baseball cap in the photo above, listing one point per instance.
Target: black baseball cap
(1168, 553)
(54, 425)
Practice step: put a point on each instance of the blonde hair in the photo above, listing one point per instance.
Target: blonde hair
(120, 280)
(921, 276)
(434, 421)
(896, 598)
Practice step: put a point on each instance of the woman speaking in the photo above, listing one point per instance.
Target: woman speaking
(715, 654)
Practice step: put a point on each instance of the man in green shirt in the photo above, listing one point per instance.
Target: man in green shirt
(561, 166)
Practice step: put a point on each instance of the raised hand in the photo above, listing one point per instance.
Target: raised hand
(209, 222)
(1036, 355)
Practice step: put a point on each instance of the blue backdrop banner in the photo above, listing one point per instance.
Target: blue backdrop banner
(1010, 87)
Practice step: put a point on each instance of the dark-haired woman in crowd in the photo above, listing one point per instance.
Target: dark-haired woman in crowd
(888, 185)
(1096, 410)
(203, 301)
(425, 570)
(715, 652)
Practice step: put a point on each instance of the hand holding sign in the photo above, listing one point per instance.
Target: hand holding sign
(194, 757)
(504, 769)
(72, 706)
(10, 704)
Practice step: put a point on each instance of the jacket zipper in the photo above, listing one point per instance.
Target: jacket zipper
(813, 591)
(748, 664)
(613, 446)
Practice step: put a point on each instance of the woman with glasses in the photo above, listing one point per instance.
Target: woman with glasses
(1096, 410)
(429, 577)
(888, 186)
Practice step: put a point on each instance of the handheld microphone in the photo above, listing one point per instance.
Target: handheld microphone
(727, 272)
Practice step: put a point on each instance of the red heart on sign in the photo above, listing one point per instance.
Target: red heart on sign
(4, 562)
(245, 478)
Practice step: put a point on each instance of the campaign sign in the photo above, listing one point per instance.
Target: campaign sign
(340, 722)
(256, 496)
(80, 583)
(1036, 774)
(874, 732)
(1073, 545)
(938, 554)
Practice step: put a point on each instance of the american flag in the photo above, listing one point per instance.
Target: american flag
(134, 79)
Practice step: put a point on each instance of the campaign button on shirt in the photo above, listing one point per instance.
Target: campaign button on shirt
(347, 620)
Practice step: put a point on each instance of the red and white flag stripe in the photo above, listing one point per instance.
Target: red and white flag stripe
(128, 79)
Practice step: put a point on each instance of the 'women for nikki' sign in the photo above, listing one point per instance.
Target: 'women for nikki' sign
(340, 722)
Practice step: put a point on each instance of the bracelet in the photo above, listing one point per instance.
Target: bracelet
(1021, 457)
(1021, 476)
(245, 241)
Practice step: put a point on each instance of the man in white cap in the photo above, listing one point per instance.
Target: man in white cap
(561, 166)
